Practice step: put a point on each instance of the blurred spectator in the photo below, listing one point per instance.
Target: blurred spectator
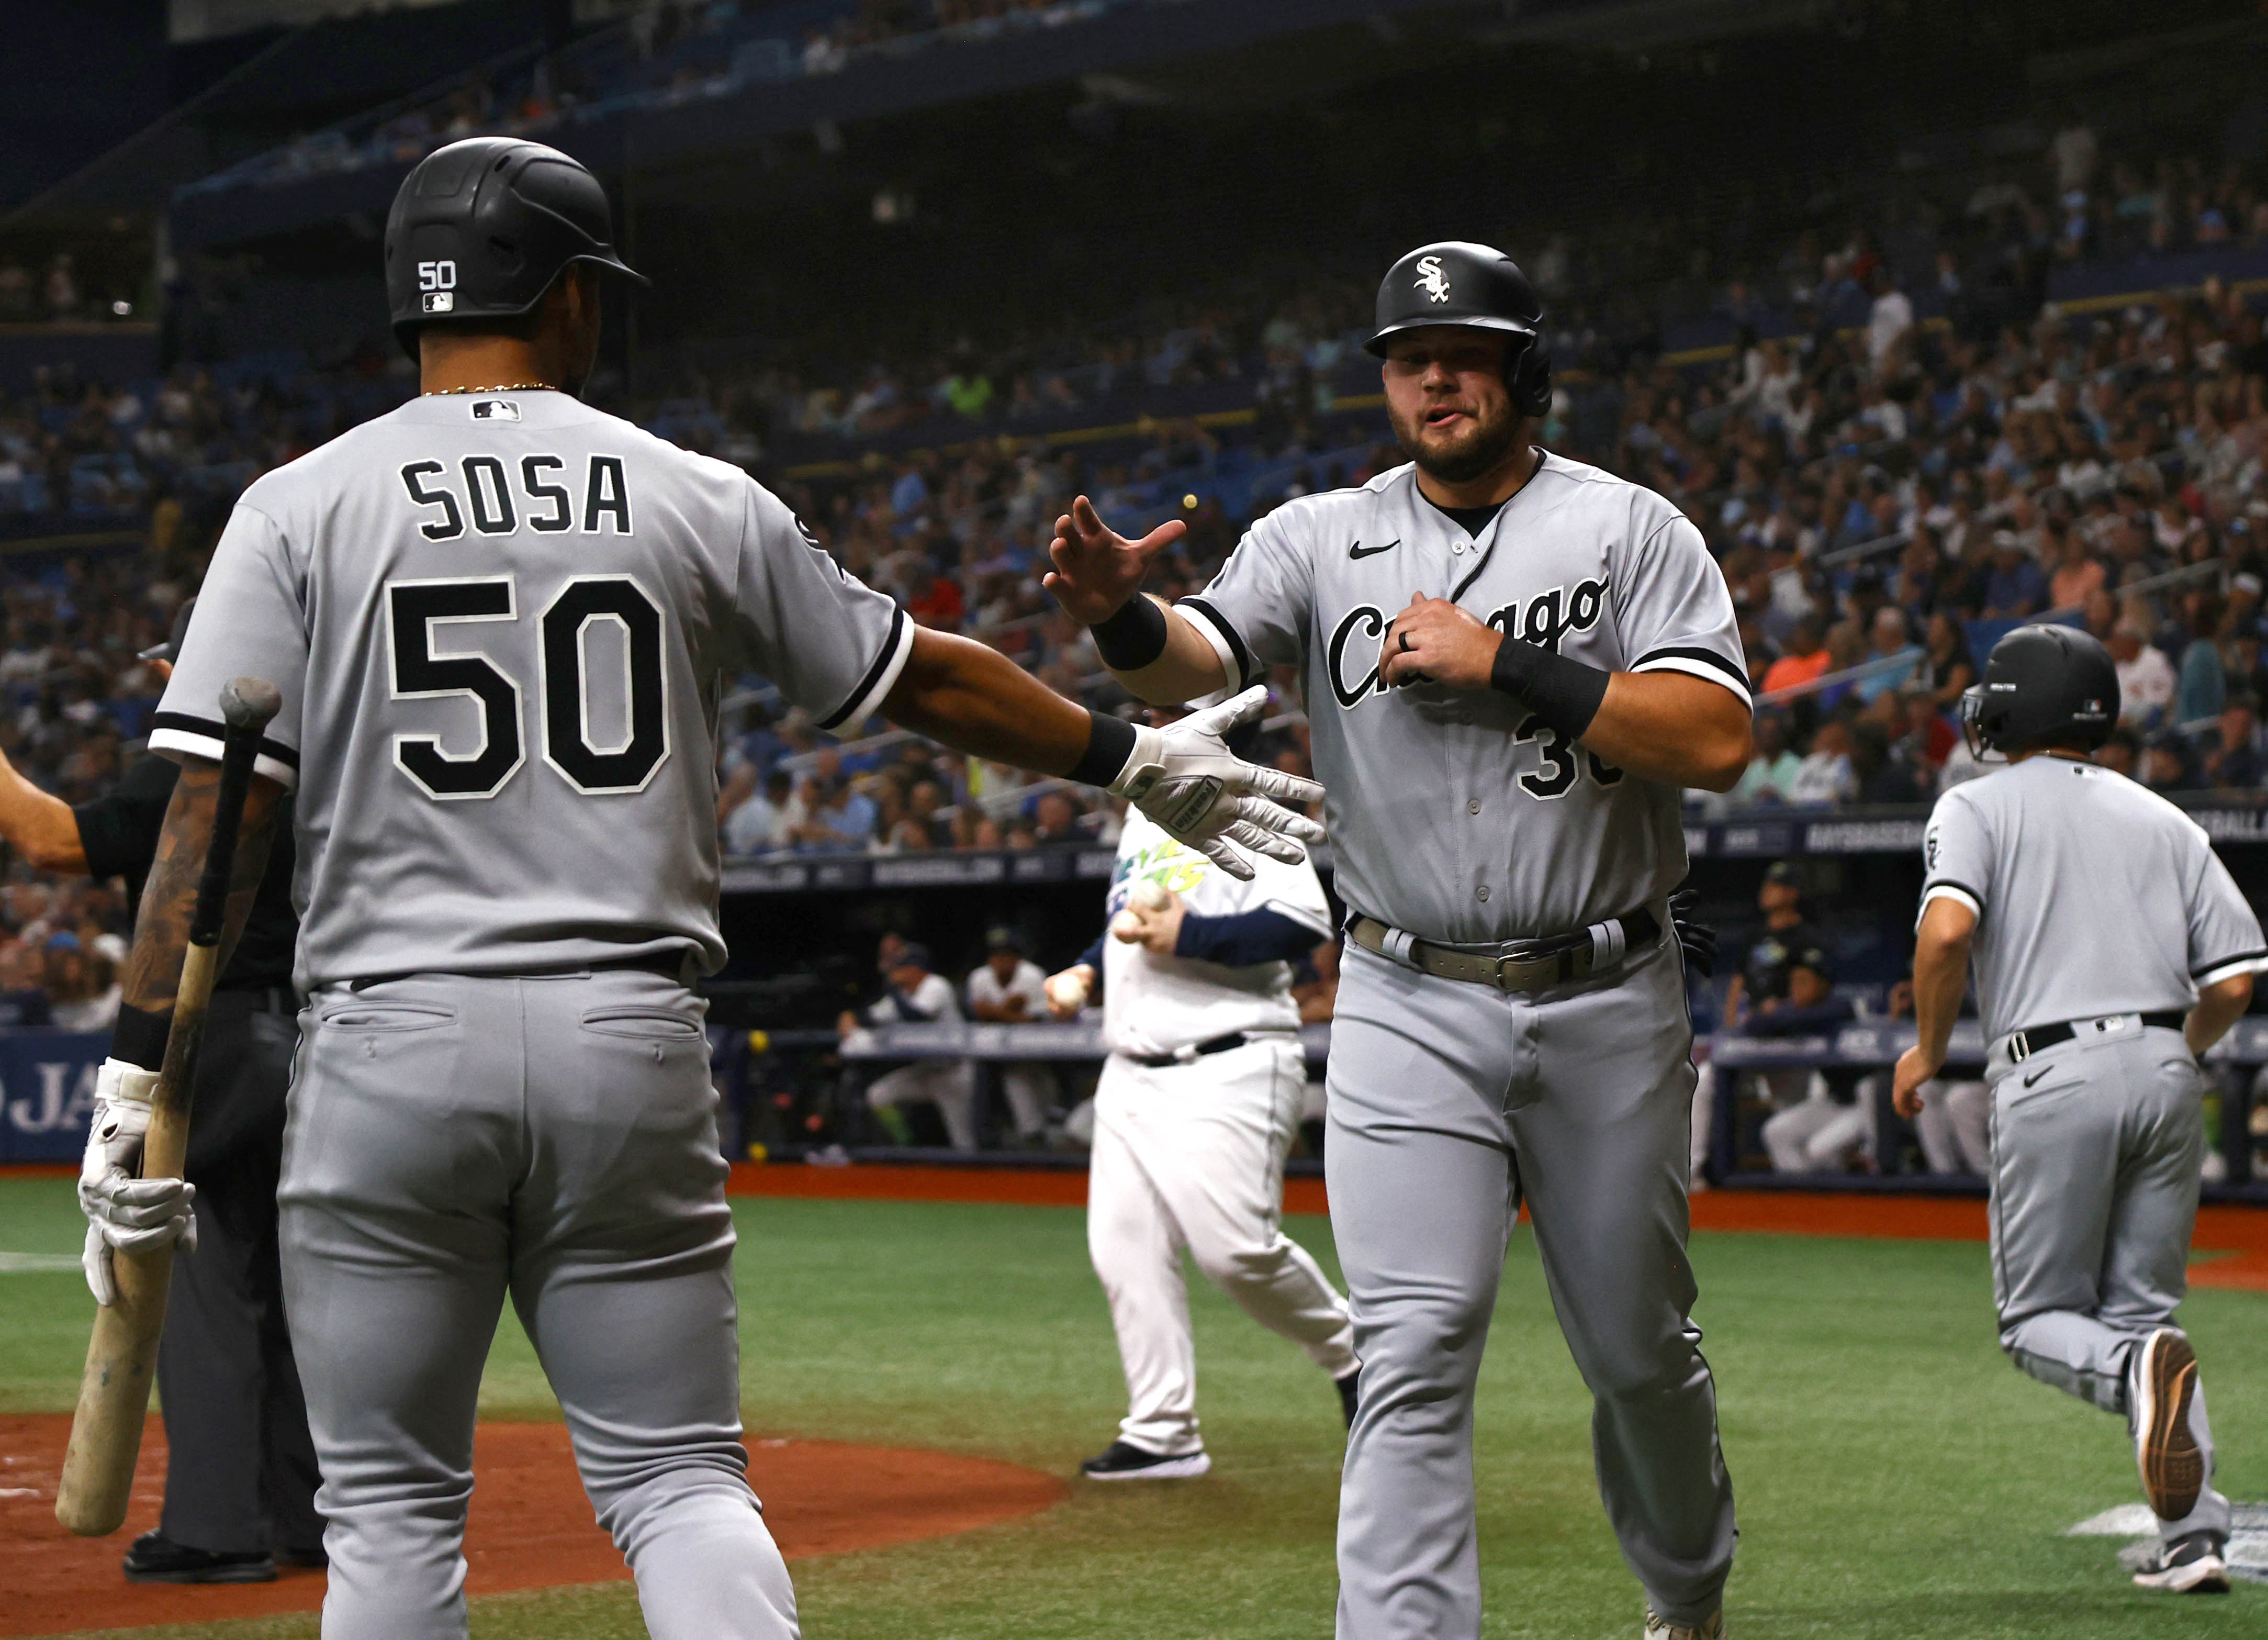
(2146, 677)
(2015, 590)
(768, 820)
(1824, 776)
(2239, 759)
(837, 819)
(1008, 988)
(1770, 777)
(1805, 658)
(23, 984)
(1889, 641)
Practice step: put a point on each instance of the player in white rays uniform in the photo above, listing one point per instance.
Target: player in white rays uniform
(1196, 1111)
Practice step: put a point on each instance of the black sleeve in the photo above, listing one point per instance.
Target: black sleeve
(118, 832)
(1093, 955)
(1247, 938)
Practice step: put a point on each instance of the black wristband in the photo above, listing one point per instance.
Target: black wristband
(1565, 693)
(1134, 636)
(139, 1035)
(1110, 744)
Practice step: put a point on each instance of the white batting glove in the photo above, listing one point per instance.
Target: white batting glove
(1184, 776)
(124, 1212)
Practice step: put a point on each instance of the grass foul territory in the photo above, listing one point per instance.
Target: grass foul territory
(1896, 1477)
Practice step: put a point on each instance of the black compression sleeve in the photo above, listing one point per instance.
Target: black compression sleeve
(1244, 938)
(1565, 693)
(1131, 639)
(1110, 744)
(139, 1036)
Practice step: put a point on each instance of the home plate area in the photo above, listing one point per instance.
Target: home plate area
(2248, 1536)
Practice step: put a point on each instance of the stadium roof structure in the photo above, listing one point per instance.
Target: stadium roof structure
(750, 84)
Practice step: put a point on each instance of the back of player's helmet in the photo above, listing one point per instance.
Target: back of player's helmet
(2044, 685)
(481, 228)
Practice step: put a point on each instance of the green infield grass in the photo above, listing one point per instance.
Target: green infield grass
(1897, 1479)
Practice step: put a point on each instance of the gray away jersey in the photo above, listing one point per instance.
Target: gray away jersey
(2092, 896)
(1456, 815)
(500, 625)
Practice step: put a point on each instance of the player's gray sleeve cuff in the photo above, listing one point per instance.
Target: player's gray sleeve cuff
(1698, 662)
(176, 735)
(1235, 658)
(880, 677)
(2250, 963)
(1952, 892)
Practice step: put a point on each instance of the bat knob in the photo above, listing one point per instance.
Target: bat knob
(248, 703)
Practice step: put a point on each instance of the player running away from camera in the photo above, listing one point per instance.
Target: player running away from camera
(500, 622)
(2111, 948)
(1512, 663)
(1197, 1110)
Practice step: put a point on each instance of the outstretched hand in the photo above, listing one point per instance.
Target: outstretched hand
(1097, 569)
(1184, 776)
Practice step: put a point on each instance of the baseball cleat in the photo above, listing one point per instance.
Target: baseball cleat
(1710, 1628)
(1347, 1386)
(2165, 1378)
(2191, 1564)
(157, 1558)
(1123, 1462)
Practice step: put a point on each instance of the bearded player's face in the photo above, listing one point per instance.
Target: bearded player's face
(1445, 396)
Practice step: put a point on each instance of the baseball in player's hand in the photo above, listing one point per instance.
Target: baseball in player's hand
(1914, 1069)
(1437, 641)
(1068, 991)
(1151, 920)
(1097, 569)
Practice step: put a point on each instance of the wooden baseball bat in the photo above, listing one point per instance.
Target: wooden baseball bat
(121, 1356)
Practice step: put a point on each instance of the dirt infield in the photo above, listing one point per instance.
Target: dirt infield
(2232, 1242)
(531, 1526)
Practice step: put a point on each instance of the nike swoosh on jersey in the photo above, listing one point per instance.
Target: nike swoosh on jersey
(1358, 551)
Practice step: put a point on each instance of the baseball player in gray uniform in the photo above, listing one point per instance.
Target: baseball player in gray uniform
(2111, 948)
(500, 622)
(1511, 664)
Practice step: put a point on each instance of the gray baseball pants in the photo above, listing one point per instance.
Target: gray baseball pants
(2097, 1148)
(455, 1139)
(1448, 1102)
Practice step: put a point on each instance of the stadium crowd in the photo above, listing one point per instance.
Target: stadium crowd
(1900, 453)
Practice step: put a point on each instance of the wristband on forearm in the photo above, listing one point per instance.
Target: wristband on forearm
(1110, 744)
(139, 1035)
(1134, 636)
(1563, 693)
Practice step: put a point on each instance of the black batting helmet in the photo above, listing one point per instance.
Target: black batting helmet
(1478, 287)
(482, 227)
(2044, 685)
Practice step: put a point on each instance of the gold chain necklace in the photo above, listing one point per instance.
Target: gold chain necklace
(507, 387)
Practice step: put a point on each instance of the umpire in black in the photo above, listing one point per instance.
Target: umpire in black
(240, 1485)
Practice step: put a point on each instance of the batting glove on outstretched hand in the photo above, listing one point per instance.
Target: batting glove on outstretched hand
(1184, 776)
(123, 1212)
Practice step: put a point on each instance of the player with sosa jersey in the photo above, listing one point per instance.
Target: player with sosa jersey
(500, 621)
(1512, 664)
(1194, 1115)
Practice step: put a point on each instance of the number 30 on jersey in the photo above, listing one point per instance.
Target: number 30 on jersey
(423, 665)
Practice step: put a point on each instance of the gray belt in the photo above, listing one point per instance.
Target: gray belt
(1518, 964)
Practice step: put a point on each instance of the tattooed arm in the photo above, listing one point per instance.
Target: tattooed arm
(161, 930)
(124, 1211)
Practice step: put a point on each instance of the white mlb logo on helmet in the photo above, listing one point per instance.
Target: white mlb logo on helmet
(440, 301)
